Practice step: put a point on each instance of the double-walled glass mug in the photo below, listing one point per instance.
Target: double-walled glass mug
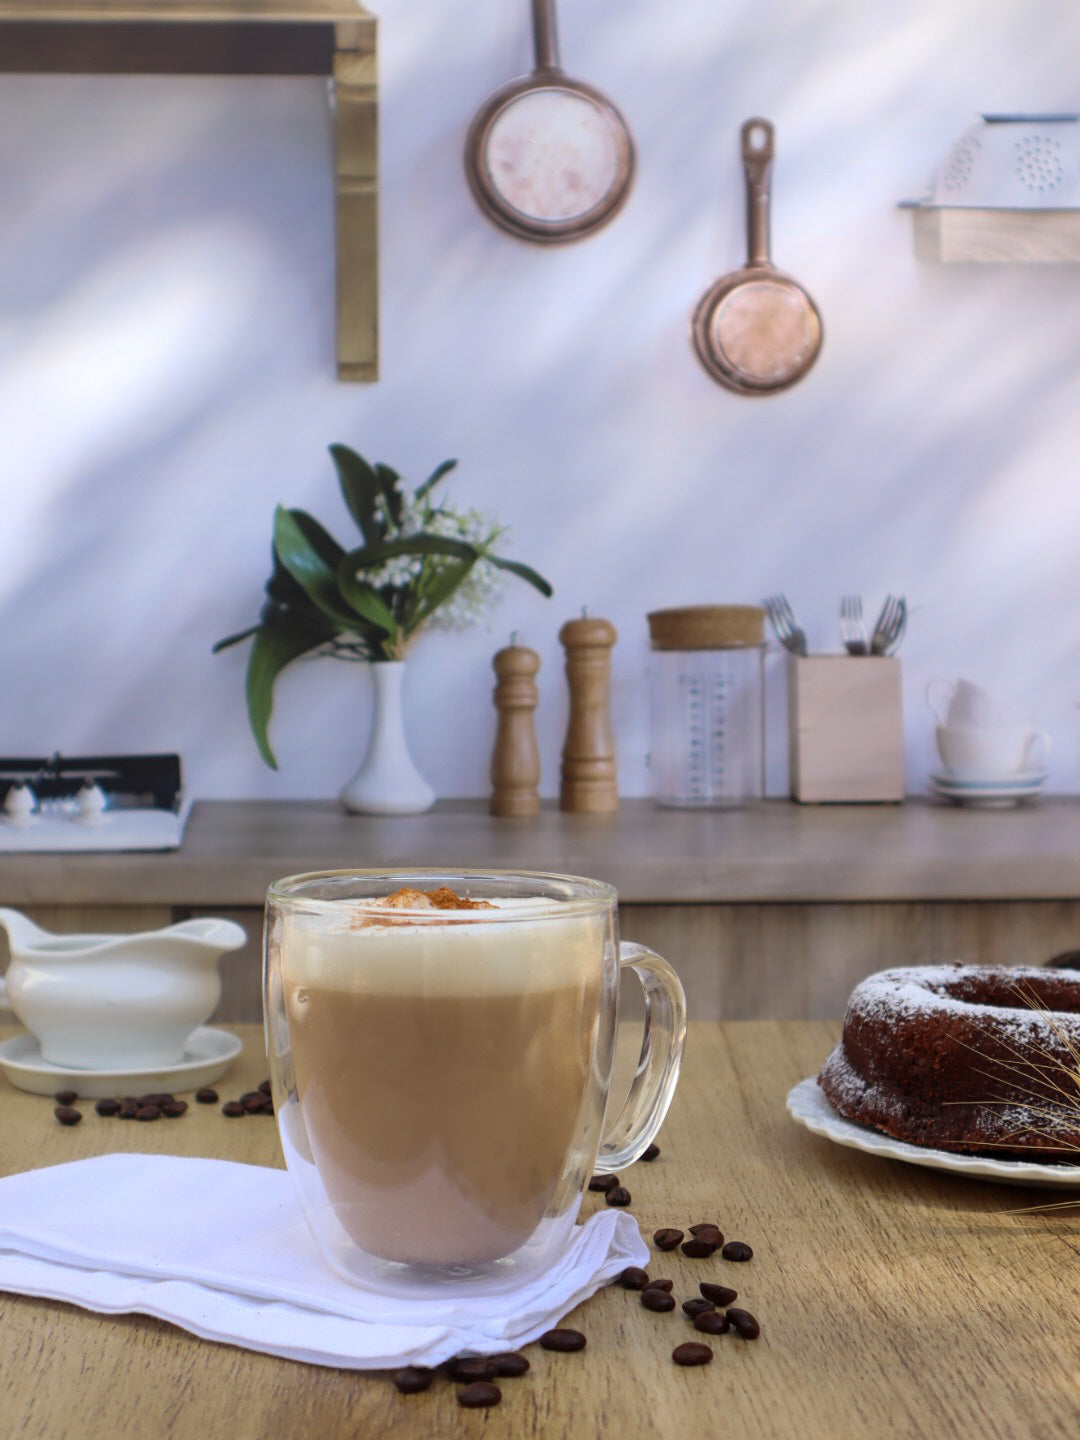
(441, 1075)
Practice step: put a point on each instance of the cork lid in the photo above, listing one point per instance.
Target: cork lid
(707, 627)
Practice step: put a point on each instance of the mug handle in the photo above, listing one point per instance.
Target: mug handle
(929, 693)
(1037, 742)
(643, 1110)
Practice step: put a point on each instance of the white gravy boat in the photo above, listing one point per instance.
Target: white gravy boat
(96, 1002)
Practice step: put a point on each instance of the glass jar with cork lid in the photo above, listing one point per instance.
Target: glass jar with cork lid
(707, 705)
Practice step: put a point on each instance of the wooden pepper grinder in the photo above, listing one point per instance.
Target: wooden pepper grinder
(588, 758)
(515, 765)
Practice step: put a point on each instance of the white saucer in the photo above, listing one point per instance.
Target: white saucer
(807, 1104)
(989, 794)
(208, 1053)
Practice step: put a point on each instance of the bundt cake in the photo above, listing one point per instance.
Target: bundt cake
(964, 1058)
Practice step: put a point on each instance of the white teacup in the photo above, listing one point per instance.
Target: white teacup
(963, 703)
(991, 752)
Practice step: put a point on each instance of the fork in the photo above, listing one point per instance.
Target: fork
(783, 621)
(890, 626)
(852, 629)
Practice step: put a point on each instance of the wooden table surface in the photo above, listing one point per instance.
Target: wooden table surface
(893, 1301)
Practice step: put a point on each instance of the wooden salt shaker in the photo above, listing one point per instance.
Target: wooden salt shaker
(588, 758)
(515, 764)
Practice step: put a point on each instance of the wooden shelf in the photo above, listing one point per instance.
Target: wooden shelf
(959, 235)
(336, 38)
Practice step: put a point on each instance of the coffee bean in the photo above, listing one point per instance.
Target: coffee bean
(736, 1250)
(267, 1109)
(174, 1108)
(66, 1115)
(667, 1239)
(692, 1352)
(698, 1249)
(264, 1086)
(159, 1098)
(711, 1322)
(633, 1279)
(697, 1306)
(253, 1101)
(148, 1112)
(411, 1379)
(618, 1195)
(652, 1153)
(658, 1300)
(510, 1364)
(662, 1284)
(208, 1096)
(127, 1111)
(468, 1368)
(232, 1108)
(718, 1294)
(708, 1232)
(66, 1097)
(107, 1107)
(603, 1183)
(479, 1393)
(564, 1341)
(744, 1324)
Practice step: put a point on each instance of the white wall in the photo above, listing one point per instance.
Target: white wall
(166, 375)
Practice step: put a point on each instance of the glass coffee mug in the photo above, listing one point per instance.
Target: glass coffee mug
(441, 1075)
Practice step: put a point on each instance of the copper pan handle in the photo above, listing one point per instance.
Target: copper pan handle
(545, 35)
(757, 154)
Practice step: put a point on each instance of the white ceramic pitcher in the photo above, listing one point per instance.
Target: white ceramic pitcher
(97, 1002)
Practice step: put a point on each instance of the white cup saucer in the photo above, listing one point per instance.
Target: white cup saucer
(1021, 780)
(206, 1055)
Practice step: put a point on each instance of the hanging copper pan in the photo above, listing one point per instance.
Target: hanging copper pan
(756, 330)
(549, 158)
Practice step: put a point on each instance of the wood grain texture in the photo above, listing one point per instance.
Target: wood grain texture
(893, 1301)
(846, 728)
(515, 760)
(589, 783)
(965, 236)
(180, 11)
(775, 852)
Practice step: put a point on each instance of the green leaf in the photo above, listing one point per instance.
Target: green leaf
(524, 571)
(275, 647)
(361, 488)
(311, 557)
(390, 486)
(233, 639)
(364, 598)
(434, 478)
(422, 544)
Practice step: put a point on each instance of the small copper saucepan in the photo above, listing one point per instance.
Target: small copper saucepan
(756, 330)
(549, 158)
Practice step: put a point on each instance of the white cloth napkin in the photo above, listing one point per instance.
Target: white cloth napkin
(223, 1250)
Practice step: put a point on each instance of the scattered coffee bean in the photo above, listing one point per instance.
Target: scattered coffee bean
(603, 1183)
(253, 1101)
(652, 1153)
(662, 1284)
(697, 1307)
(479, 1393)
(658, 1300)
(66, 1097)
(618, 1195)
(711, 1322)
(667, 1239)
(709, 1232)
(698, 1249)
(692, 1352)
(264, 1086)
(159, 1098)
(127, 1111)
(232, 1108)
(66, 1115)
(744, 1324)
(564, 1341)
(148, 1112)
(736, 1250)
(510, 1364)
(633, 1279)
(468, 1368)
(411, 1379)
(209, 1096)
(718, 1294)
(107, 1107)
(174, 1108)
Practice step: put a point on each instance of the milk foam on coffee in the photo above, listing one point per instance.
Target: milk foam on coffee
(442, 1061)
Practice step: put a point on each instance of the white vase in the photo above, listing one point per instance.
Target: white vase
(387, 783)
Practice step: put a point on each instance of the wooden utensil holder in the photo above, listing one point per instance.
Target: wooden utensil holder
(846, 727)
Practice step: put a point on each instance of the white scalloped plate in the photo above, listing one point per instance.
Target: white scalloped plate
(807, 1104)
